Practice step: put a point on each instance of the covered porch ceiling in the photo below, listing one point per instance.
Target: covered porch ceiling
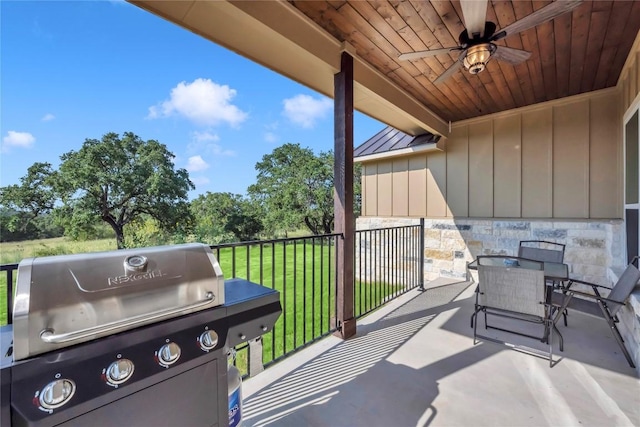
(580, 51)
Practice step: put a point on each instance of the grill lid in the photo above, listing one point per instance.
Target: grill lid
(65, 300)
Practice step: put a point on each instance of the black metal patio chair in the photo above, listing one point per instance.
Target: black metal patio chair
(604, 307)
(541, 250)
(514, 288)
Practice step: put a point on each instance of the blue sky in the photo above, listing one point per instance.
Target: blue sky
(79, 69)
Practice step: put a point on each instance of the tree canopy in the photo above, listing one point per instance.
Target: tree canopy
(34, 197)
(118, 180)
(129, 185)
(296, 188)
(223, 217)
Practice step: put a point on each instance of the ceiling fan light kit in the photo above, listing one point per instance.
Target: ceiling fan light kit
(477, 57)
(476, 40)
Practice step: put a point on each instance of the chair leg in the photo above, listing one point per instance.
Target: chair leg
(475, 327)
(560, 338)
(554, 320)
(474, 315)
(552, 327)
(616, 334)
(618, 337)
(476, 308)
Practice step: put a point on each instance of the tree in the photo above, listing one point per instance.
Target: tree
(223, 217)
(8, 231)
(245, 221)
(211, 212)
(33, 197)
(296, 188)
(120, 180)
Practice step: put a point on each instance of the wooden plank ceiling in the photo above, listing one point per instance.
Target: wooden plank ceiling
(580, 51)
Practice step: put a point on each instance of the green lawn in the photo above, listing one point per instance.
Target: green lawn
(303, 273)
(305, 276)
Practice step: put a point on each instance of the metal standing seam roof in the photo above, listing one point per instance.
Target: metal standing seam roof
(390, 139)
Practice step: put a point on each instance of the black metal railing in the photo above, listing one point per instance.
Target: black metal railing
(6, 291)
(303, 270)
(388, 263)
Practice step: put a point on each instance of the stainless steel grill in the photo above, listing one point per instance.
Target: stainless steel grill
(97, 338)
(70, 299)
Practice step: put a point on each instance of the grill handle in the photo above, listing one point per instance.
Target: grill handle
(48, 335)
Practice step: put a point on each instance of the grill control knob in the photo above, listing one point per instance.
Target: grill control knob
(120, 371)
(57, 393)
(169, 353)
(208, 340)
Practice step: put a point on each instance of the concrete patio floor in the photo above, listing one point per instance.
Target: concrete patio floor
(413, 363)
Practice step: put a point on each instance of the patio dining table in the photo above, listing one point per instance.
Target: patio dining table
(553, 271)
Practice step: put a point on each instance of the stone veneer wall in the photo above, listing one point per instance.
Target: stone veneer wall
(592, 246)
(594, 252)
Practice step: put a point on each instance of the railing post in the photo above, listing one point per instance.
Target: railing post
(421, 257)
(9, 297)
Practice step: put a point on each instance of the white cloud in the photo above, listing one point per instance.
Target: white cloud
(305, 110)
(217, 150)
(273, 126)
(196, 164)
(205, 136)
(48, 117)
(18, 140)
(203, 142)
(270, 134)
(201, 101)
(270, 137)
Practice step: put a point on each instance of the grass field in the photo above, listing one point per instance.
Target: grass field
(303, 273)
(14, 252)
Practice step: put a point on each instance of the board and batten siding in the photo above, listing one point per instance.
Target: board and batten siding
(559, 159)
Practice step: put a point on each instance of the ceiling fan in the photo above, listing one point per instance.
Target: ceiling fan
(477, 45)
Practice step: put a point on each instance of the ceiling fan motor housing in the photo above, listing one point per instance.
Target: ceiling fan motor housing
(489, 30)
(477, 57)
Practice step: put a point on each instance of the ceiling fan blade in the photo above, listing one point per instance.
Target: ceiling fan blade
(545, 14)
(510, 55)
(448, 73)
(474, 13)
(426, 53)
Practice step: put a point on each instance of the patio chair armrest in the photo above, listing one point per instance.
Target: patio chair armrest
(582, 282)
(596, 297)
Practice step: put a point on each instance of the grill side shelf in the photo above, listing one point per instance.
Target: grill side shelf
(252, 310)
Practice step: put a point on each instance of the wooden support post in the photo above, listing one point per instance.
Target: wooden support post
(343, 196)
